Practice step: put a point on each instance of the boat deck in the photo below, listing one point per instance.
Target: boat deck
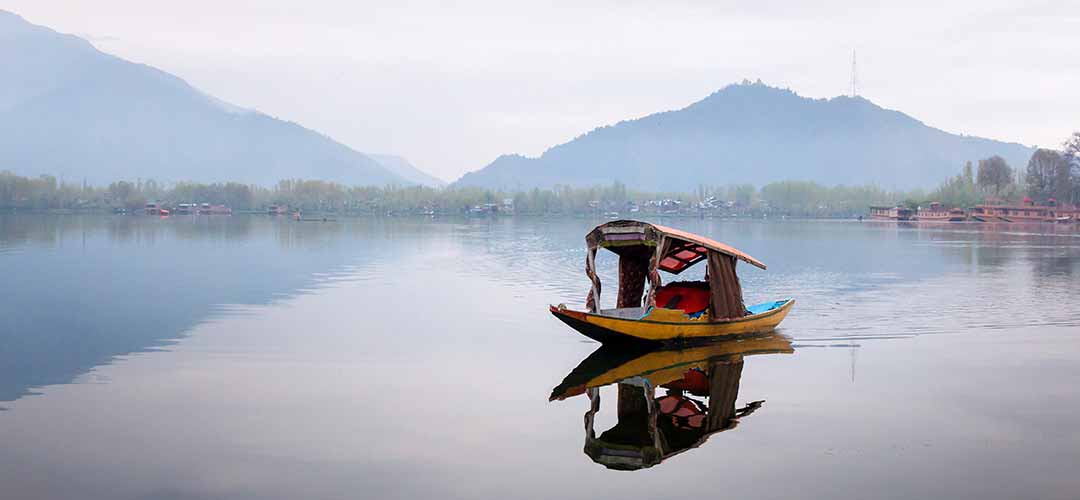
(638, 313)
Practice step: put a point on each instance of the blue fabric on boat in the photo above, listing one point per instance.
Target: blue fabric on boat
(754, 309)
(648, 311)
(765, 306)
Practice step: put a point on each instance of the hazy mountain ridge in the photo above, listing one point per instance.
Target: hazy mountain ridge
(752, 133)
(72, 111)
(406, 170)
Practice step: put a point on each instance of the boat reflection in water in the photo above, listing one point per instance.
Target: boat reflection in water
(668, 401)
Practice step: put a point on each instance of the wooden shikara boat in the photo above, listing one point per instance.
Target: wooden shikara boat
(667, 401)
(679, 312)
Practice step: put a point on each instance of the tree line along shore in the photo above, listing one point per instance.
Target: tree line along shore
(1049, 175)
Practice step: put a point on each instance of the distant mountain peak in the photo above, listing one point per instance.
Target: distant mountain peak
(752, 86)
(751, 132)
(70, 110)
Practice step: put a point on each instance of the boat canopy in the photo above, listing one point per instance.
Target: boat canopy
(691, 248)
(644, 248)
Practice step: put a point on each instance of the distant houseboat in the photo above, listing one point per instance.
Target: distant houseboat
(937, 212)
(1027, 211)
(208, 209)
(891, 213)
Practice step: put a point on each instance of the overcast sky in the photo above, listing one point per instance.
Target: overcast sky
(453, 85)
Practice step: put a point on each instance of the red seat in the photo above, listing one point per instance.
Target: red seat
(694, 381)
(689, 296)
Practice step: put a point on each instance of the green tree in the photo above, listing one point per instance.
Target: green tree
(1048, 176)
(957, 191)
(994, 173)
(1071, 154)
(744, 194)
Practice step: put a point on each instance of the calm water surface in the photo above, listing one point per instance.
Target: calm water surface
(248, 357)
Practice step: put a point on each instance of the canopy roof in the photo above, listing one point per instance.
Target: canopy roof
(684, 249)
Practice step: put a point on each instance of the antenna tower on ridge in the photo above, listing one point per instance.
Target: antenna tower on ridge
(854, 81)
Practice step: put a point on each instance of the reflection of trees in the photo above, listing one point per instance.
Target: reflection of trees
(1015, 273)
(122, 229)
(53, 230)
(983, 257)
(18, 230)
(1051, 248)
(1058, 265)
(305, 234)
(213, 227)
(13, 230)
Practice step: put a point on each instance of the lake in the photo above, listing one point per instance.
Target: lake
(251, 357)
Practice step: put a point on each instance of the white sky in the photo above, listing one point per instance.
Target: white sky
(451, 85)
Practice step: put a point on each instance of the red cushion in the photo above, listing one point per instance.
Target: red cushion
(695, 297)
(694, 381)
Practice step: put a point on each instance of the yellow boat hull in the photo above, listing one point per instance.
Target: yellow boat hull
(668, 325)
(611, 364)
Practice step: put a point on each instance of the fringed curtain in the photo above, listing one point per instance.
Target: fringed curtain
(592, 302)
(726, 300)
(633, 270)
(654, 272)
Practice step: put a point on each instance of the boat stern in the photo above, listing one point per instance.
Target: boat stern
(582, 322)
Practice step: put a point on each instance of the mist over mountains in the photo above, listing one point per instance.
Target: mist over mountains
(753, 133)
(406, 170)
(72, 111)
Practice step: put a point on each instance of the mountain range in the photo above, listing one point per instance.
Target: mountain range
(72, 111)
(753, 133)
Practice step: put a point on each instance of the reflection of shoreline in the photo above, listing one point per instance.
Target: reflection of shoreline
(701, 388)
(996, 244)
(94, 288)
(58, 229)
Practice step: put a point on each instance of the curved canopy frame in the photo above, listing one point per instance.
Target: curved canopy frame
(645, 248)
(686, 249)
